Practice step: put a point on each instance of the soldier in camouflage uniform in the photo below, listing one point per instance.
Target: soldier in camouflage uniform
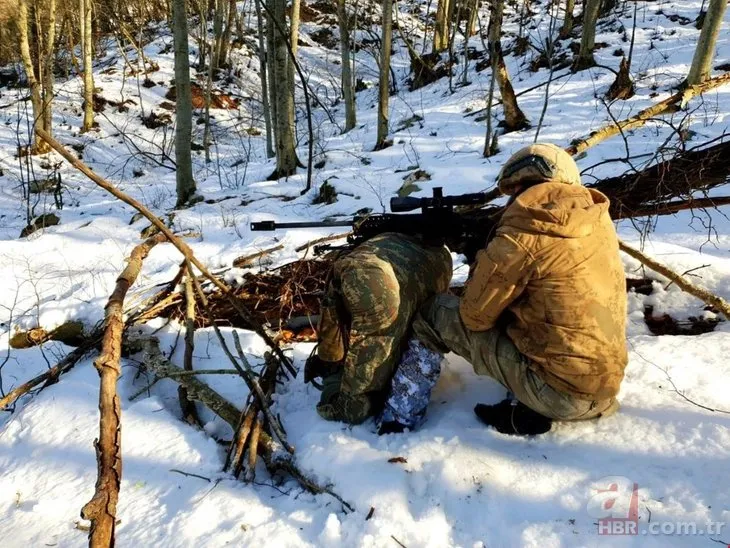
(543, 311)
(366, 317)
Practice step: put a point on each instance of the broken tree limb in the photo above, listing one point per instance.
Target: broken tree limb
(322, 240)
(678, 99)
(51, 375)
(174, 240)
(196, 389)
(275, 457)
(246, 260)
(701, 293)
(102, 508)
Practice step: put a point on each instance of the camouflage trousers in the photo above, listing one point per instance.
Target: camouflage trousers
(439, 327)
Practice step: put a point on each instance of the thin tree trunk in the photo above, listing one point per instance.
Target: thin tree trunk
(567, 27)
(705, 51)
(286, 156)
(30, 75)
(48, 19)
(441, 32)
(347, 89)
(88, 69)
(588, 39)
(217, 34)
(294, 42)
(514, 118)
(263, 69)
(271, 64)
(226, 42)
(184, 104)
(384, 83)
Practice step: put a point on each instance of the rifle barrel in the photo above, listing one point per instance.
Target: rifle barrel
(272, 225)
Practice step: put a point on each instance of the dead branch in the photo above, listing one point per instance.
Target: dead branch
(246, 260)
(678, 99)
(196, 389)
(51, 375)
(322, 240)
(274, 455)
(174, 240)
(102, 507)
(714, 301)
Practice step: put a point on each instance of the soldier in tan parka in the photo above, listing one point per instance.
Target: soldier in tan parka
(544, 309)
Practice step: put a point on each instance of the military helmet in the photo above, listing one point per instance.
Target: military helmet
(538, 163)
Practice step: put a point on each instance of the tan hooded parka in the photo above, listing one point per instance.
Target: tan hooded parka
(554, 267)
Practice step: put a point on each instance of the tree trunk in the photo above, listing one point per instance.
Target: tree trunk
(217, 34)
(588, 39)
(226, 42)
(294, 42)
(263, 55)
(567, 27)
(441, 32)
(88, 69)
(183, 104)
(384, 83)
(286, 156)
(49, 39)
(514, 118)
(30, 75)
(705, 51)
(271, 66)
(348, 91)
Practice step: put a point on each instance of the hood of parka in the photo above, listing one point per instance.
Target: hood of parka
(557, 209)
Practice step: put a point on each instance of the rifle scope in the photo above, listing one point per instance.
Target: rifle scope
(439, 201)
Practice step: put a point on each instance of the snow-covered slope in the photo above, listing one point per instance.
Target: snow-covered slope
(461, 484)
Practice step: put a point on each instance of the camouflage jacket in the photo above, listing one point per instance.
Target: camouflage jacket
(372, 298)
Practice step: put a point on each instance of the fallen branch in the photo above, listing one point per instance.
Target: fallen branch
(714, 301)
(642, 117)
(174, 240)
(322, 240)
(241, 262)
(275, 457)
(102, 508)
(51, 375)
(187, 407)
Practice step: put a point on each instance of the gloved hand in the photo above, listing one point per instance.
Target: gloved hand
(316, 367)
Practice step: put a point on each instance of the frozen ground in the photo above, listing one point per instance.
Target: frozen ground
(462, 484)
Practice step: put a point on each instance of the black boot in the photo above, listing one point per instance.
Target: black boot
(513, 417)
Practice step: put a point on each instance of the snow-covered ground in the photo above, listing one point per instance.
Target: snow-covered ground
(461, 484)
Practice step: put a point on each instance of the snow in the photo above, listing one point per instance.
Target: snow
(462, 484)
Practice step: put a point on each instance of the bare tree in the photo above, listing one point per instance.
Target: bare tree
(702, 62)
(384, 82)
(514, 118)
(442, 27)
(585, 59)
(286, 156)
(348, 90)
(85, 6)
(263, 55)
(183, 104)
(567, 27)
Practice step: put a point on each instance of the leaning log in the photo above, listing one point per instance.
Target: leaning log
(718, 303)
(673, 101)
(102, 508)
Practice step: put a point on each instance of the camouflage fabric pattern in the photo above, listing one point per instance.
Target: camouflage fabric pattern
(381, 284)
(413, 381)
